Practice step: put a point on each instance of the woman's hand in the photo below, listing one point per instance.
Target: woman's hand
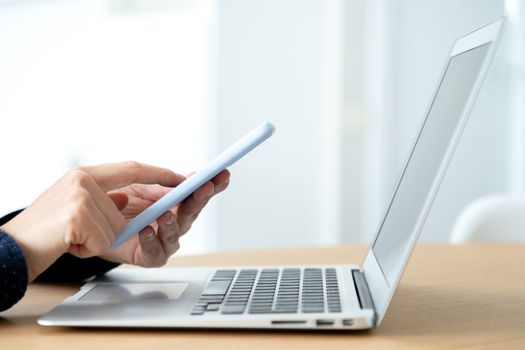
(77, 215)
(156, 243)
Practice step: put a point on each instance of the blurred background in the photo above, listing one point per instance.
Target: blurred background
(174, 82)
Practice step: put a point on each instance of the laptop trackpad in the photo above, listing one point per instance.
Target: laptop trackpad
(118, 292)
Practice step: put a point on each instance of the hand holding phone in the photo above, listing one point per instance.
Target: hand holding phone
(192, 183)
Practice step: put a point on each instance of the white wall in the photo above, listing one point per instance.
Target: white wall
(515, 47)
(392, 53)
(87, 82)
(269, 70)
(345, 81)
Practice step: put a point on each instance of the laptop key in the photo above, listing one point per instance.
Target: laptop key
(217, 288)
(197, 311)
(276, 291)
(233, 309)
(213, 307)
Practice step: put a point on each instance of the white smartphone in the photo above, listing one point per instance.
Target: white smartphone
(192, 183)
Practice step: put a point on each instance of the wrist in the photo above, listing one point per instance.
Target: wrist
(38, 255)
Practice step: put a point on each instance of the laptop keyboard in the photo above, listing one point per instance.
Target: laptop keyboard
(271, 290)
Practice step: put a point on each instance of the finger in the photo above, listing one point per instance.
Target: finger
(90, 239)
(147, 192)
(101, 220)
(98, 242)
(153, 254)
(216, 185)
(204, 193)
(190, 208)
(120, 199)
(108, 208)
(221, 181)
(168, 233)
(117, 175)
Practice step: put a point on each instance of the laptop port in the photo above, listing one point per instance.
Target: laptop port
(284, 322)
(348, 322)
(321, 323)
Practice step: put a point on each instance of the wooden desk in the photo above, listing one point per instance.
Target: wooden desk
(450, 297)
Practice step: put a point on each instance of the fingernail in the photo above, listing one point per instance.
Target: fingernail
(150, 235)
(170, 220)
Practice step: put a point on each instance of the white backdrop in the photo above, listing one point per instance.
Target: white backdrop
(272, 65)
(86, 82)
(173, 82)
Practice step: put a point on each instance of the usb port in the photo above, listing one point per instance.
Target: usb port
(324, 323)
(348, 322)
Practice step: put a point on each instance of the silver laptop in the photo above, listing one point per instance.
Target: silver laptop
(342, 297)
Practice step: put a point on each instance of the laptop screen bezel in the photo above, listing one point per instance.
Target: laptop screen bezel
(380, 289)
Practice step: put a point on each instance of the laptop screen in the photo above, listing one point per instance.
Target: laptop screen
(398, 228)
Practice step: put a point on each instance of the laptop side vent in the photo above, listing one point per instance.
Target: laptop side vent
(363, 293)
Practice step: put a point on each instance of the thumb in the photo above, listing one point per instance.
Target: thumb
(118, 175)
(120, 199)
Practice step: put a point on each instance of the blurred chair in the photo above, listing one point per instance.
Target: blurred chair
(494, 218)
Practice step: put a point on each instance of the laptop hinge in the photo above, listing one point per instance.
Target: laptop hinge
(363, 293)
